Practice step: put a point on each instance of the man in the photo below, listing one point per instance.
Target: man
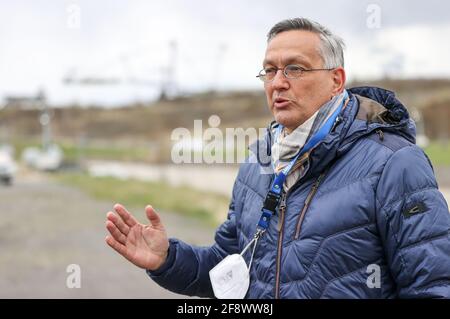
(359, 214)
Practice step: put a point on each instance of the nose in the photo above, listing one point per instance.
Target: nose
(280, 81)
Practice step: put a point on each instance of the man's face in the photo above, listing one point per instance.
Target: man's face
(293, 101)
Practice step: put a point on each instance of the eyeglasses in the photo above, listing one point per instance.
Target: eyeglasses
(290, 71)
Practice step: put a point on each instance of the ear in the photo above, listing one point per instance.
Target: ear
(338, 78)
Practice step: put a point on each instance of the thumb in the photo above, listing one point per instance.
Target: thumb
(153, 217)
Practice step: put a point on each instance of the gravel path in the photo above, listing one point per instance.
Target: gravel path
(44, 227)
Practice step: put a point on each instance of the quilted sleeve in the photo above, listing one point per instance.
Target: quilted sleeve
(414, 223)
(186, 270)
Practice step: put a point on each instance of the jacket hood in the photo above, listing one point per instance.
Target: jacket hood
(370, 109)
(379, 109)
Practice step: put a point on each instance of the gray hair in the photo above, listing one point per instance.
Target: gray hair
(331, 46)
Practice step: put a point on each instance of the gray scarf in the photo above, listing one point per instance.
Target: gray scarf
(287, 146)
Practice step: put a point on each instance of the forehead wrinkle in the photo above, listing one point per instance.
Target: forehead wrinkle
(297, 58)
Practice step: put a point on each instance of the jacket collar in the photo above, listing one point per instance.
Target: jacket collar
(369, 109)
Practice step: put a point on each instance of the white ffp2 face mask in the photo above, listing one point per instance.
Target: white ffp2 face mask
(230, 278)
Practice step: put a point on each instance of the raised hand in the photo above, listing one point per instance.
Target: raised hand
(145, 246)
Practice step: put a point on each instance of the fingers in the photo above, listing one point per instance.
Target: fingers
(116, 233)
(153, 217)
(114, 244)
(128, 219)
(118, 222)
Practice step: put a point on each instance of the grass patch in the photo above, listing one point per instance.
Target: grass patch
(439, 153)
(73, 152)
(94, 150)
(210, 208)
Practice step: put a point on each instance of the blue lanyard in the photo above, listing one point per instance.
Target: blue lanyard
(273, 197)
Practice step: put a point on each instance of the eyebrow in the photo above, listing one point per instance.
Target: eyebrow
(298, 58)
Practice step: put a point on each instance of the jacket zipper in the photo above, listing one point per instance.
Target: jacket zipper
(280, 227)
(308, 200)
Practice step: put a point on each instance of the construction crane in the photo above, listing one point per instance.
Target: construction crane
(165, 80)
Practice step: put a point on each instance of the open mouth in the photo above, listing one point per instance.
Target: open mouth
(281, 102)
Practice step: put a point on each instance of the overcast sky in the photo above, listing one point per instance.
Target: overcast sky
(219, 44)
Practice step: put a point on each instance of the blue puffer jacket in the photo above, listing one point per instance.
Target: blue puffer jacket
(368, 198)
